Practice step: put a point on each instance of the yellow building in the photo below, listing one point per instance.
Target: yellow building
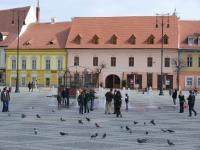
(42, 55)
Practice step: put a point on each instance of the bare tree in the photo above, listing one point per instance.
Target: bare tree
(98, 71)
(178, 66)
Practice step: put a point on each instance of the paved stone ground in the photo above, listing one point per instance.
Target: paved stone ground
(18, 134)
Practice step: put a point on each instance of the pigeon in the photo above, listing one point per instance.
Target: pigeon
(121, 127)
(144, 123)
(141, 140)
(163, 130)
(170, 143)
(146, 132)
(35, 131)
(32, 107)
(104, 136)
(153, 122)
(130, 131)
(53, 110)
(88, 119)
(38, 116)
(97, 125)
(61, 119)
(94, 136)
(135, 122)
(127, 128)
(9, 115)
(170, 131)
(23, 116)
(63, 133)
(80, 121)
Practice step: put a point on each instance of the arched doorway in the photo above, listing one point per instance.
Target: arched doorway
(112, 81)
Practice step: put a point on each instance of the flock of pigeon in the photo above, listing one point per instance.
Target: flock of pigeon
(103, 136)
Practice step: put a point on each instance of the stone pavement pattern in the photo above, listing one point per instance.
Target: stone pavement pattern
(18, 133)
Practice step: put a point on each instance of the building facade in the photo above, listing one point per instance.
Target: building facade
(9, 30)
(189, 50)
(129, 48)
(42, 55)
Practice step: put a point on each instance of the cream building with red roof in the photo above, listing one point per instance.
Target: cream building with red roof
(128, 47)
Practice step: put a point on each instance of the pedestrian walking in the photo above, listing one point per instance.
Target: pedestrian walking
(86, 100)
(59, 99)
(126, 101)
(181, 101)
(191, 103)
(114, 98)
(92, 97)
(174, 96)
(32, 86)
(29, 86)
(80, 100)
(4, 99)
(118, 99)
(109, 97)
(65, 96)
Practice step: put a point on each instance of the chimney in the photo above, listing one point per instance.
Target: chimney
(38, 11)
(53, 20)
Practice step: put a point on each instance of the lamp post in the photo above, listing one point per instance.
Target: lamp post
(162, 16)
(18, 32)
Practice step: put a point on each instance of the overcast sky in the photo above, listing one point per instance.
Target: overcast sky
(64, 10)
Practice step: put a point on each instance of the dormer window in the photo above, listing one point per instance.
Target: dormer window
(95, 39)
(165, 39)
(190, 40)
(27, 43)
(150, 40)
(51, 42)
(3, 35)
(77, 39)
(132, 39)
(114, 39)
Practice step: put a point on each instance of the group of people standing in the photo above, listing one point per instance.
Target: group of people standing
(5, 99)
(86, 100)
(32, 85)
(116, 97)
(182, 101)
(63, 98)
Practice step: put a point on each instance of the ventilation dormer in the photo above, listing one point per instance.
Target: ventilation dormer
(190, 40)
(3, 36)
(114, 39)
(132, 39)
(95, 39)
(151, 39)
(51, 42)
(165, 39)
(77, 39)
(27, 43)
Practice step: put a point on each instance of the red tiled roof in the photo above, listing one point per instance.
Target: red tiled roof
(6, 26)
(188, 28)
(123, 28)
(43, 36)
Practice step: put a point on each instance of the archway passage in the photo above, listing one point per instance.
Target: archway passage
(112, 81)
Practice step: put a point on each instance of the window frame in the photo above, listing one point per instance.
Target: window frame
(190, 40)
(13, 65)
(24, 62)
(186, 81)
(95, 61)
(189, 61)
(167, 63)
(113, 61)
(76, 61)
(149, 61)
(131, 61)
(60, 64)
(34, 64)
(48, 64)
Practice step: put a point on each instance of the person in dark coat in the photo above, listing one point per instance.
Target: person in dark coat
(174, 96)
(59, 99)
(85, 103)
(115, 92)
(4, 99)
(65, 96)
(92, 97)
(29, 86)
(118, 99)
(109, 97)
(191, 102)
(181, 101)
(126, 101)
(80, 100)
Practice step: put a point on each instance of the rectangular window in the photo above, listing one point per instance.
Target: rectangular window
(95, 61)
(13, 64)
(48, 64)
(34, 64)
(199, 61)
(188, 81)
(167, 62)
(23, 64)
(190, 40)
(131, 61)
(113, 61)
(149, 61)
(34, 79)
(76, 61)
(189, 61)
(60, 64)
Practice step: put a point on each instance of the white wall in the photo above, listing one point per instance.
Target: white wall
(2, 58)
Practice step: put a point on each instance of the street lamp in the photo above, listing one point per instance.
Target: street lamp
(162, 16)
(18, 32)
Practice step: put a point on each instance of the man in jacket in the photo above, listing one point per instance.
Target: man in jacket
(191, 102)
(109, 97)
(4, 100)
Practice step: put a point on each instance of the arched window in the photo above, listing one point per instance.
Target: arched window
(114, 39)
(150, 39)
(132, 39)
(1, 36)
(165, 39)
(48, 63)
